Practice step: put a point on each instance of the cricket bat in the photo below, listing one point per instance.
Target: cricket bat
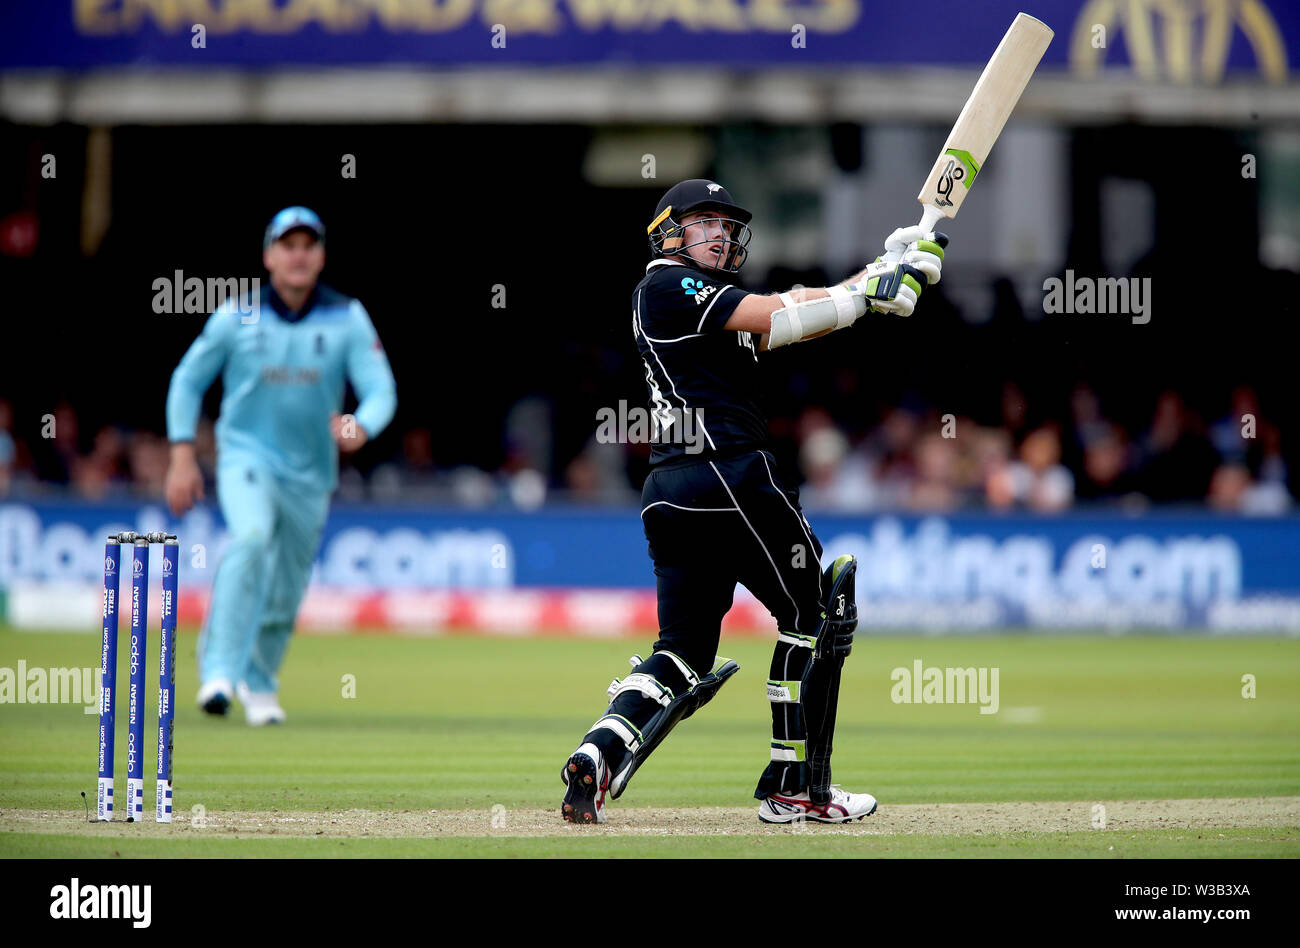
(981, 120)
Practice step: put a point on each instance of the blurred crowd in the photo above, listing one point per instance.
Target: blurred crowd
(54, 453)
(920, 460)
(915, 458)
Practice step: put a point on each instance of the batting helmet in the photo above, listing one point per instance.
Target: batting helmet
(667, 235)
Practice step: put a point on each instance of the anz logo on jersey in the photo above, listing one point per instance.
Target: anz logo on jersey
(697, 289)
(746, 339)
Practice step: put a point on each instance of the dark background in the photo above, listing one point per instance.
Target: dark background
(439, 214)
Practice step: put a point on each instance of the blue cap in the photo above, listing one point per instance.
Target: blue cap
(291, 218)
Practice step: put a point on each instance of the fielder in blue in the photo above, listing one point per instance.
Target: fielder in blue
(283, 358)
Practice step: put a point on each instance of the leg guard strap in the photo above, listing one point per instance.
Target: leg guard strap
(627, 732)
(783, 692)
(789, 752)
(646, 685)
(666, 718)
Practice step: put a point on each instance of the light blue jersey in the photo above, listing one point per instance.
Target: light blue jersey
(283, 375)
(277, 462)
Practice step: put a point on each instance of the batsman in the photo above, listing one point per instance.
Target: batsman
(715, 512)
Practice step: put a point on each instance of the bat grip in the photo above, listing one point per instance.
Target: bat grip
(930, 216)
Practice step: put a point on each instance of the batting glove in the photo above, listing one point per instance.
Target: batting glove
(917, 248)
(891, 287)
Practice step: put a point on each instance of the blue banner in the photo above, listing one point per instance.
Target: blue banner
(1193, 42)
(976, 571)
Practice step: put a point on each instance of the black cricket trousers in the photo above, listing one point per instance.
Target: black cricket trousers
(713, 523)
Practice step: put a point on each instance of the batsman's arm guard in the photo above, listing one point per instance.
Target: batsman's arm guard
(820, 690)
(798, 321)
(667, 717)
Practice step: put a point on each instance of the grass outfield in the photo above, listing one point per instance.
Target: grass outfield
(444, 730)
(1227, 844)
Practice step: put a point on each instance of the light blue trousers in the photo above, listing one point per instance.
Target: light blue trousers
(275, 529)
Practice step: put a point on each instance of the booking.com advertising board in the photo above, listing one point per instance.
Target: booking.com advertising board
(1211, 38)
(586, 572)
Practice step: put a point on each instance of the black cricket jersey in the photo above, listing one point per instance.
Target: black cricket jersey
(703, 379)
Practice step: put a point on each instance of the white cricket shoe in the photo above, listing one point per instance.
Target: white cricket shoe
(215, 695)
(587, 777)
(796, 807)
(260, 707)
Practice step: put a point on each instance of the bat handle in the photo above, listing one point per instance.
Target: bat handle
(931, 216)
